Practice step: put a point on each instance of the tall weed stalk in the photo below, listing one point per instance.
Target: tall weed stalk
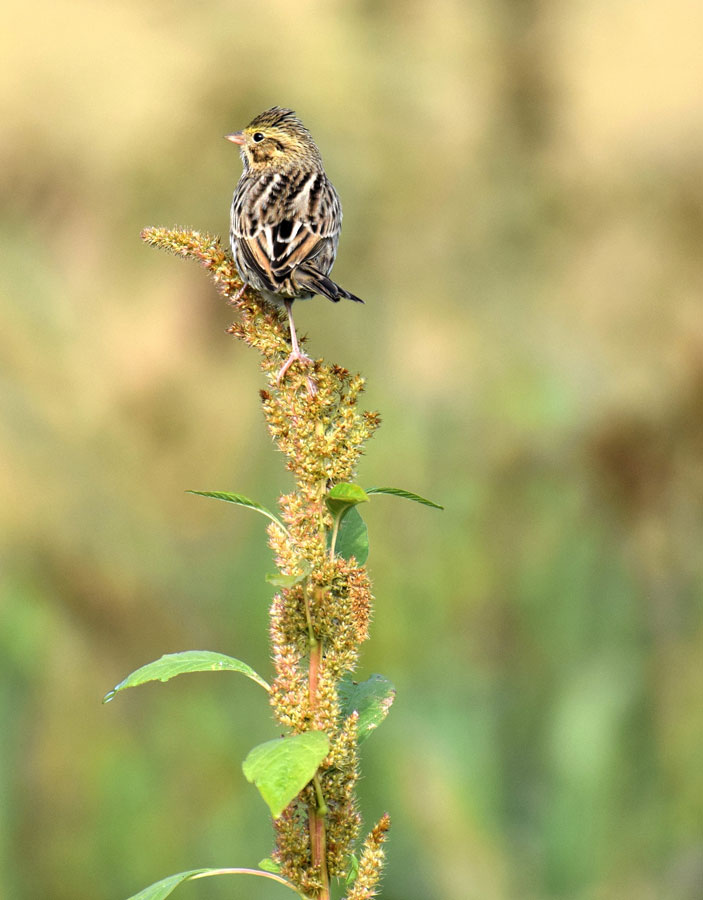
(319, 616)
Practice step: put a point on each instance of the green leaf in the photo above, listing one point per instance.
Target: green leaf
(286, 581)
(270, 865)
(352, 538)
(164, 887)
(343, 496)
(173, 664)
(353, 869)
(280, 769)
(241, 500)
(408, 495)
(371, 699)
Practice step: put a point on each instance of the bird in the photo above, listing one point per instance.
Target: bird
(285, 218)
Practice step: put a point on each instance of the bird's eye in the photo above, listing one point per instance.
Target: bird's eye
(257, 137)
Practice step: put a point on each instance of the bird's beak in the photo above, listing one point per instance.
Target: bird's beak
(236, 138)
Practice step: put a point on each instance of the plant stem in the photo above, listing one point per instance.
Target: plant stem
(317, 810)
(335, 532)
(314, 672)
(318, 842)
(308, 618)
(321, 805)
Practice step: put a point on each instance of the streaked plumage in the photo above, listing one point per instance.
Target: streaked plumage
(286, 215)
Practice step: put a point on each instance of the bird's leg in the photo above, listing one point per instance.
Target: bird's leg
(296, 352)
(240, 293)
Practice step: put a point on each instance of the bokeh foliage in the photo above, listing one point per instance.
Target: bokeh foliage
(523, 196)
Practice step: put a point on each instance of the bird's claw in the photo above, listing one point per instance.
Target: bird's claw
(304, 359)
(240, 293)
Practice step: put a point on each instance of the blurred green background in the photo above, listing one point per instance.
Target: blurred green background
(523, 195)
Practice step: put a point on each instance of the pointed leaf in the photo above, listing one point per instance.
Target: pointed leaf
(173, 664)
(352, 538)
(270, 865)
(343, 496)
(286, 581)
(164, 887)
(241, 500)
(280, 769)
(371, 699)
(407, 495)
(353, 869)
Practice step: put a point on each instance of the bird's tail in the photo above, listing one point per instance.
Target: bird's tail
(310, 278)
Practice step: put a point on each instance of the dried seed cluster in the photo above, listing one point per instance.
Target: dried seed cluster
(316, 625)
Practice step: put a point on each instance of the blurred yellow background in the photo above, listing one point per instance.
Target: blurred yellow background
(523, 194)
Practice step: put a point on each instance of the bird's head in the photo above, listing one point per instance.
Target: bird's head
(276, 139)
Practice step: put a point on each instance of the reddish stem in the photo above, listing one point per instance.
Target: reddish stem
(318, 845)
(314, 673)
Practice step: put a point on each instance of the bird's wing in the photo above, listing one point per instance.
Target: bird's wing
(281, 221)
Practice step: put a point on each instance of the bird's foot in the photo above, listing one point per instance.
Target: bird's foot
(240, 293)
(304, 359)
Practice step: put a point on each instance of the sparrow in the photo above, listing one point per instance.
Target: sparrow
(285, 218)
